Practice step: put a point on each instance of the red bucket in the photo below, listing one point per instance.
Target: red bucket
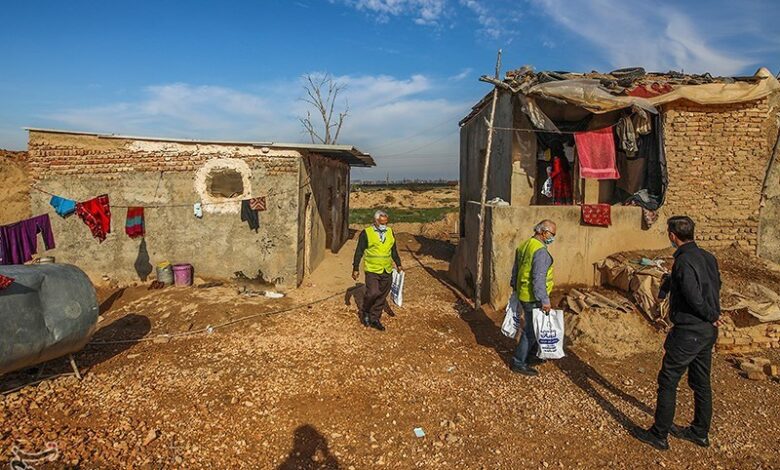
(182, 275)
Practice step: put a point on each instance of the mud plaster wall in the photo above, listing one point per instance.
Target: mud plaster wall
(158, 173)
(577, 247)
(325, 194)
(473, 144)
(717, 158)
(769, 224)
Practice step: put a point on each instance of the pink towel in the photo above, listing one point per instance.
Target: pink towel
(596, 152)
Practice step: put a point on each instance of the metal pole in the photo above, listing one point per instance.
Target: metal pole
(483, 197)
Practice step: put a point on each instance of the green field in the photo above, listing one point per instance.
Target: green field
(422, 215)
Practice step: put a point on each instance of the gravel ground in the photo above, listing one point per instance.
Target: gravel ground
(312, 388)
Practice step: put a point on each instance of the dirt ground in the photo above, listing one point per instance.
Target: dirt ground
(14, 187)
(404, 198)
(310, 387)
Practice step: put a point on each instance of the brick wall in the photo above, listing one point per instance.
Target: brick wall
(53, 154)
(717, 157)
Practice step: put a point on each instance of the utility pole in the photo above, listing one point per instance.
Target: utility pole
(483, 196)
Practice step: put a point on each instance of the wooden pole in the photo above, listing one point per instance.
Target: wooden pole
(483, 196)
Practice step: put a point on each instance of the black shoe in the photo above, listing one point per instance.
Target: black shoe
(687, 434)
(377, 325)
(364, 320)
(534, 360)
(649, 438)
(525, 370)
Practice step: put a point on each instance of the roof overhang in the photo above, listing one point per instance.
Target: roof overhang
(344, 153)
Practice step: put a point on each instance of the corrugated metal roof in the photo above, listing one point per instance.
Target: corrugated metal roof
(346, 153)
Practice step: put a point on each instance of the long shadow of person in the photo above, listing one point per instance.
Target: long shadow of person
(310, 450)
(486, 332)
(357, 292)
(586, 378)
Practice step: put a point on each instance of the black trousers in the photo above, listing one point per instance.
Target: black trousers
(686, 350)
(377, 288)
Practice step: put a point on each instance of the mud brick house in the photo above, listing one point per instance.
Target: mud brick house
(306, 189)
(697, 145)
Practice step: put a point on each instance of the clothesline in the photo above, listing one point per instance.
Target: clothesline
(542, 131)
(158, 206)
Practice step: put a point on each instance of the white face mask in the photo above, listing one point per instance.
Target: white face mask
(381, 228)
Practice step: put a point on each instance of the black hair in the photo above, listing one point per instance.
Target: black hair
(682, 226)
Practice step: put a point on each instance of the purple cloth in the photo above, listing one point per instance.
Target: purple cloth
(19, 241)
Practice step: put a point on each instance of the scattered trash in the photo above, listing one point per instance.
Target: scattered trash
(497, 201)
(273, 295)
(209, 329)
(419, 432)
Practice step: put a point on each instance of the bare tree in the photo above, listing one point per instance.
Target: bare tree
(321, 93)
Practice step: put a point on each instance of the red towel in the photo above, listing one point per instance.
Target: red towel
(134, 226)
(5, 281)
(597, 214)
(96, 213)
(596, 152)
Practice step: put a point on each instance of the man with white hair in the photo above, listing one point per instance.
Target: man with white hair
(377, 245)
(532, 282)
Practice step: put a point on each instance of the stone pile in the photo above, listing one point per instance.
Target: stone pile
(734, 339)
(758, 368)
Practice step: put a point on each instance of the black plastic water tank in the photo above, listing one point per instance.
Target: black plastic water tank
(49, 311)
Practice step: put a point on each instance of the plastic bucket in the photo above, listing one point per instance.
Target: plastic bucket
(182, 274)
(165, 273)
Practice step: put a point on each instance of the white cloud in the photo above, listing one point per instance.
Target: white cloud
(662, 37)
(464, 74)
(491, 25)
(424, 12)
(407, 120)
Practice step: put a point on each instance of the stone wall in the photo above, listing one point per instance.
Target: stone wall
(717, 157)
(162, 176)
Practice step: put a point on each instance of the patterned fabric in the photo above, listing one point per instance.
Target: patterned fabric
(257, 203)
(96, 213)
(134, 227)
(599, 215)
(5, 281)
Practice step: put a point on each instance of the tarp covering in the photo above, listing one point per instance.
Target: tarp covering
(589, 93)
(50, 310)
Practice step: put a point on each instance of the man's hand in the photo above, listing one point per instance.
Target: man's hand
(355, 275)
(546, 308)
(399, 268)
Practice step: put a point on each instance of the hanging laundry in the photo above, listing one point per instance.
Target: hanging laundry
(596, 151)
(641, 121)
(134, 226)
(197, 210)
(96, 213)
(257, 203)
(249, 215)
(19, 241)
(633, 172)
(599, 215)
(627, 136)
(63, 207)
(5, 281)
(561, 181)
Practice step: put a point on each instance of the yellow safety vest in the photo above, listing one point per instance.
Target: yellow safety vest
(525, 258)
(378, 257)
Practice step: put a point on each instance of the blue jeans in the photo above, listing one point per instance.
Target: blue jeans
(527, 336)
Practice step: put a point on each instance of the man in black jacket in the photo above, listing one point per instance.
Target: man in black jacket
(694, 287)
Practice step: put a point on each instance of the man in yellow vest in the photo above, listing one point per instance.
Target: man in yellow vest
(377, 245)
(532, 282)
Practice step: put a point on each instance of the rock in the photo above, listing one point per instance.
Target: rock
(161, 339)
(756, 375)
(772, 370)
(151, 436)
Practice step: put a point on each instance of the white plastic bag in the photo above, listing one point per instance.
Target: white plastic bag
(397, 287)
(511, 317)
(549, 333)
(547, 188)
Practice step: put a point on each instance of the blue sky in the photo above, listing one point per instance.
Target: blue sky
(232, 69)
